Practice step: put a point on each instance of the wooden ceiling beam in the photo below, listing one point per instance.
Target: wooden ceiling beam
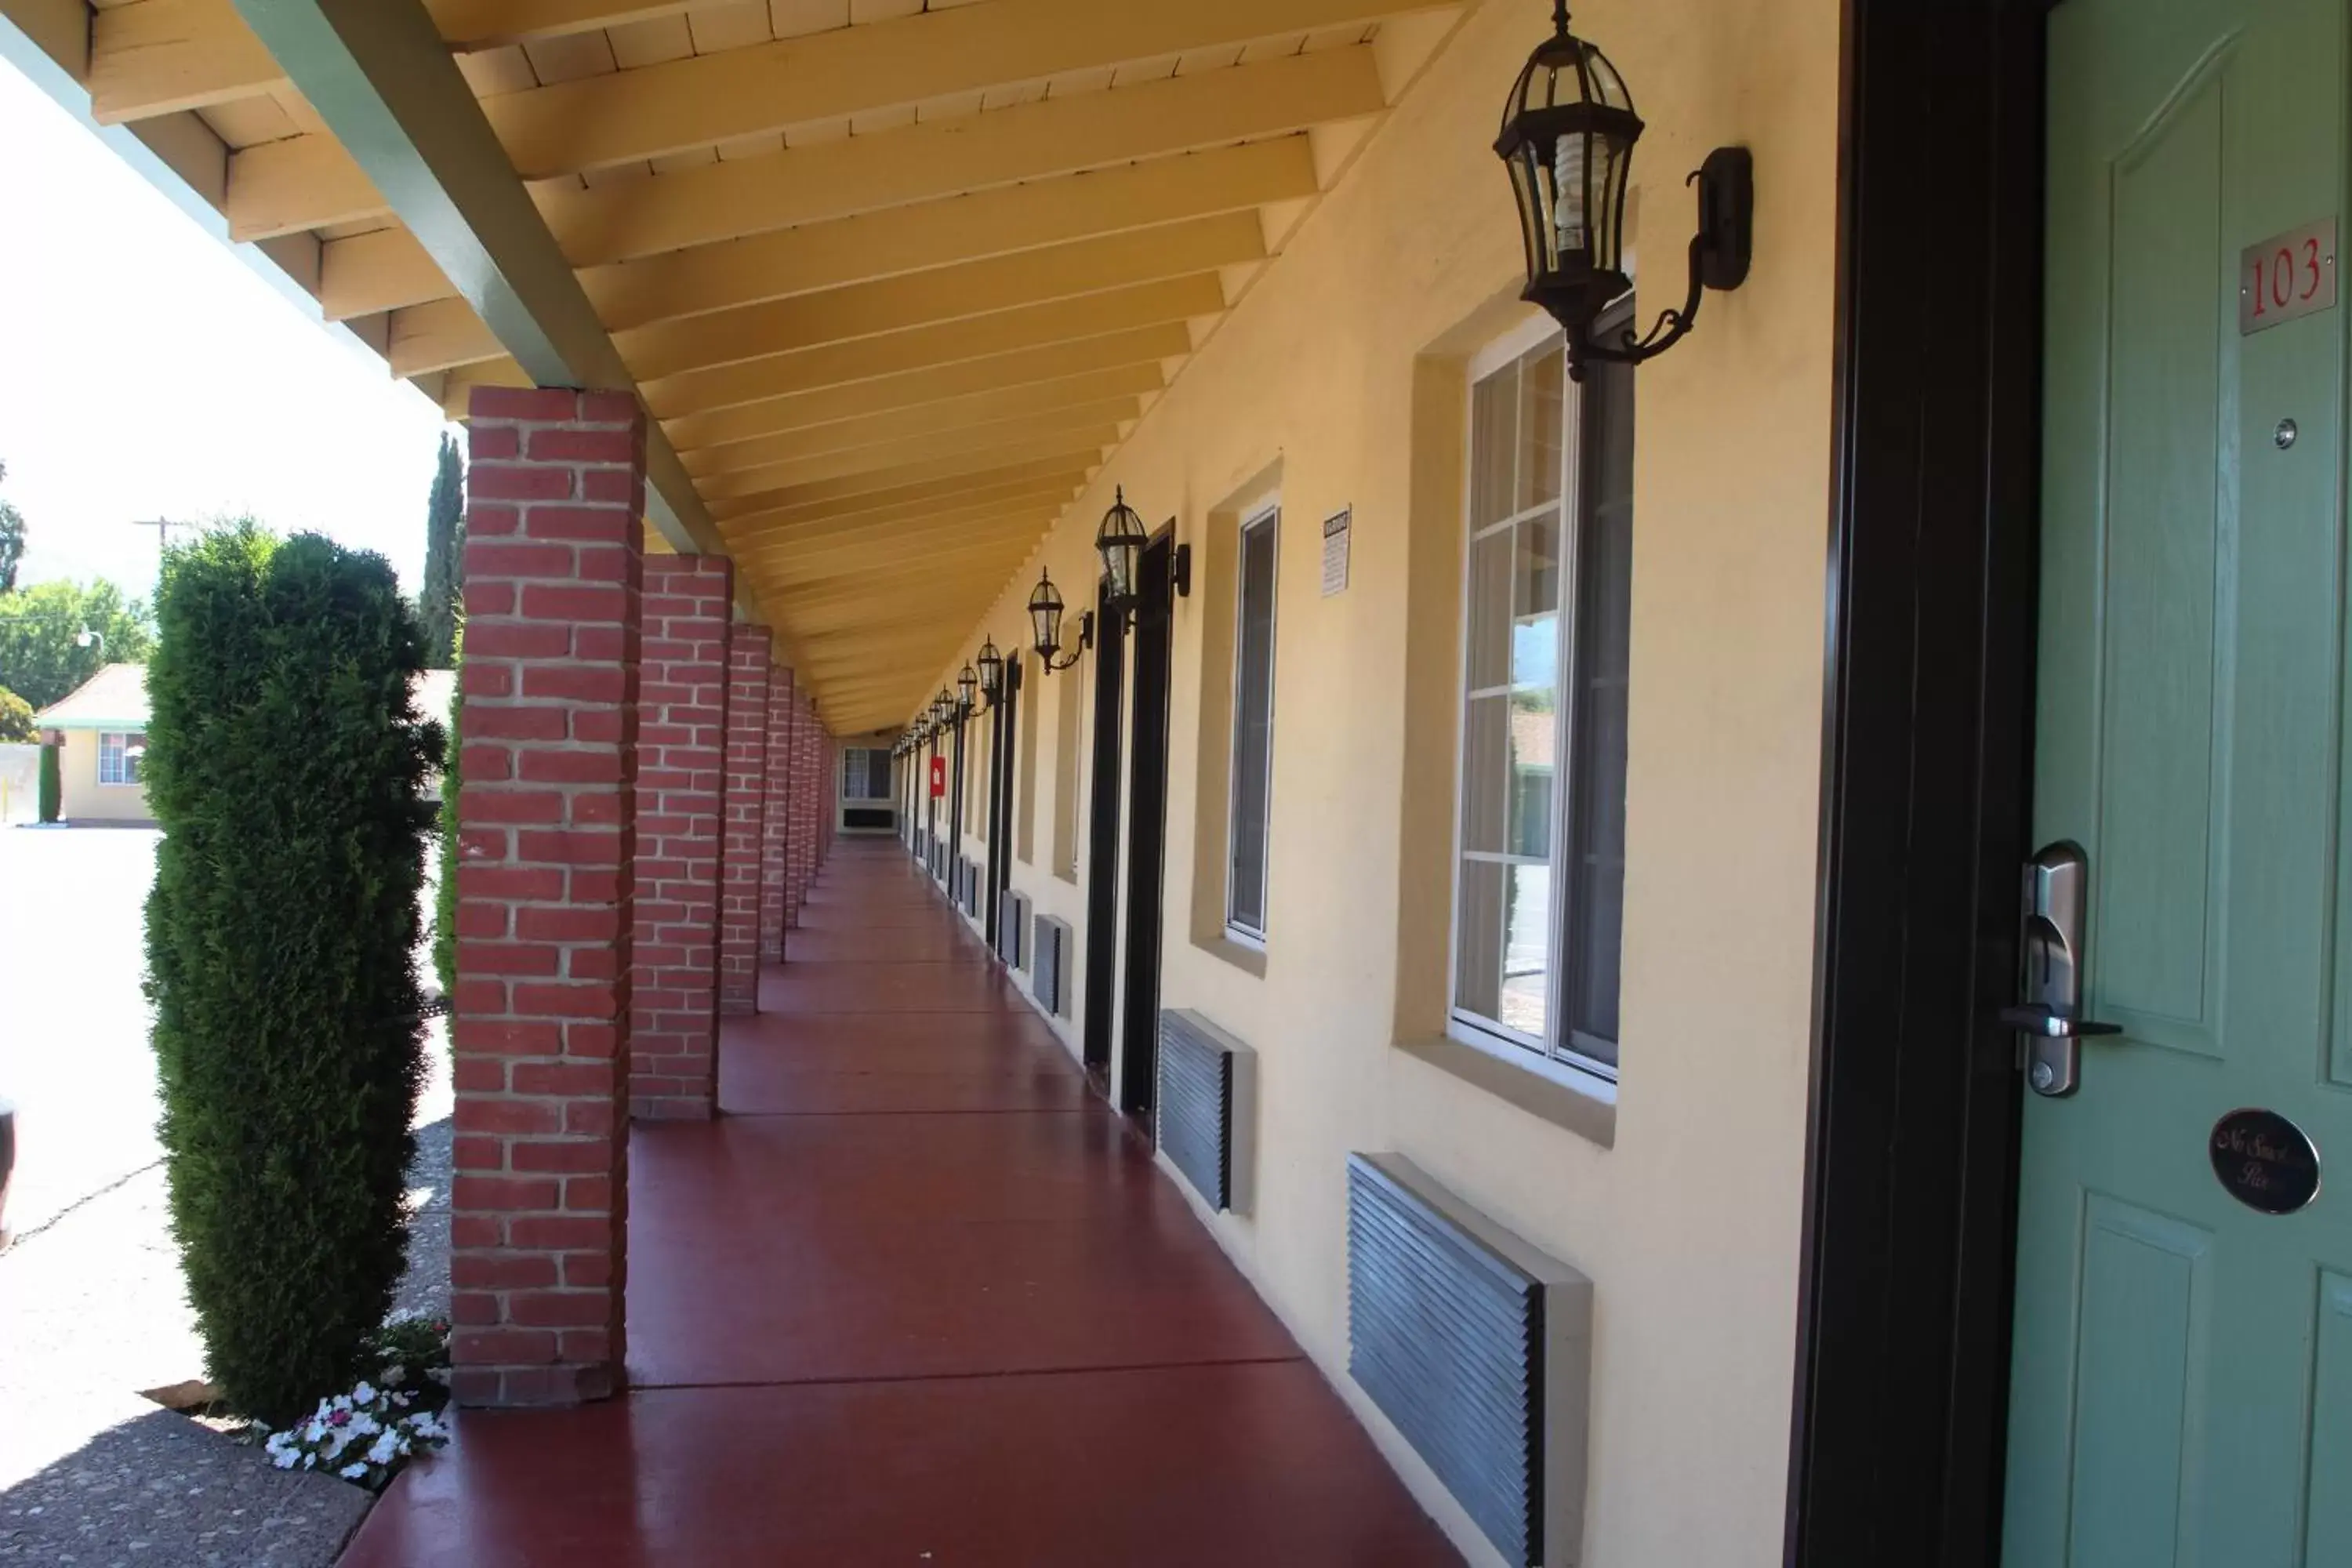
(985, 223)
(595, 121)
(440, 334)
(1056, 453)
(1138, 352)
(961, 499)
(151, 58)
(861, 358)
(158, 56)
(297, 185)
(383, 269)
(899, 561)
(931, 160)
(883, 615)
(950, 453)
(918, 500)
(1112, 393)
(890, 601)
(387, 268)
(942, 294)
(942, 533)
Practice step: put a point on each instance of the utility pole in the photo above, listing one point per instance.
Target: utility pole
(163, 527)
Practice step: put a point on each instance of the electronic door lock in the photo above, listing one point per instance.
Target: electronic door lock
(2050, 953)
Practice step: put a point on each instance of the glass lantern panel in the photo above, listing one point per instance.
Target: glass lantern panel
(1570, 194)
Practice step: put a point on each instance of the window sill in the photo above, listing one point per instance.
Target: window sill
(1543, 1090)
(1248, 960)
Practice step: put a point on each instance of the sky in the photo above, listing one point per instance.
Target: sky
(146, 370)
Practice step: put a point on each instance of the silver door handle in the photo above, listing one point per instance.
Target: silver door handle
(2051, 932)
(2036, 1018)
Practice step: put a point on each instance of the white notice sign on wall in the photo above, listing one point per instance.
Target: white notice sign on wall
(1336, 528)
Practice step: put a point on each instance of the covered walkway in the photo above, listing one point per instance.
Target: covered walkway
(917, 1297)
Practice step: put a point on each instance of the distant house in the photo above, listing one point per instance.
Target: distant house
(100, 728)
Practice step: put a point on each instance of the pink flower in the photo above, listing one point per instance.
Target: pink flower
(338, 1418)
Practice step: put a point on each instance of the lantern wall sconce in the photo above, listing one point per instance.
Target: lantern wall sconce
(991, 677)
(1045, 626)
(1567, 138)
(1120, 541)
(967, 686)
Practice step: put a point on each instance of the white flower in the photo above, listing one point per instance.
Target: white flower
(439, 1374)
(394, 1375)
(363, 1394)
(353, 1472)
(286, 1459)
(361, 1425)
(386, 1449)
(309, 1461)
(344, 1401)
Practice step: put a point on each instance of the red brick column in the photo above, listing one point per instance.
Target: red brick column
(750, 652)
(681, 764)
(778, 830)
(553, 564)
(803, 829)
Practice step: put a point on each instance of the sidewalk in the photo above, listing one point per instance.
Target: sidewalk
(917, 1297)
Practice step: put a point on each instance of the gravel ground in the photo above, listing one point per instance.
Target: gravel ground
(92, 1311)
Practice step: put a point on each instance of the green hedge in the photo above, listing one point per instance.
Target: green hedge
(52, 787)
(286, 762)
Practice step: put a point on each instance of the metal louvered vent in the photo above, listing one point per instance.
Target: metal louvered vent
(1478, 1347)
(1205, 1105)
(1012, 929)
(972, 888)
(1049, 973)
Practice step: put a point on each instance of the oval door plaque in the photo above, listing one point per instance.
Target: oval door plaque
(2265, 1161)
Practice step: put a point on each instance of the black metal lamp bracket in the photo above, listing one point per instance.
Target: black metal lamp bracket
(1719, 255)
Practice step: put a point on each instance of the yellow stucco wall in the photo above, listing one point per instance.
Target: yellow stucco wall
(81, 798)
(1339, 382)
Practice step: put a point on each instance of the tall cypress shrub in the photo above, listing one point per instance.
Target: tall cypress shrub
(445, 889)
(286, 762)
(441, 604)
(51, 785)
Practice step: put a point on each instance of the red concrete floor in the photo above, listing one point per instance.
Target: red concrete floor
(915, 1299)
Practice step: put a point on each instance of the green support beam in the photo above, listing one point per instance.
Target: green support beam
(379, 74)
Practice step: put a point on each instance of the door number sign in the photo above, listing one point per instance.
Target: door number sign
(2286, 276)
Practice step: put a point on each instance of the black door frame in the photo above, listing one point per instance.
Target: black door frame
(1102, 838)
(1902, 1372)
(955, 807)
(1152, 684)
(931, 810)
(1003, 714)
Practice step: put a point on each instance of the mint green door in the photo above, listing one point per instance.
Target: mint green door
(2182, 1379)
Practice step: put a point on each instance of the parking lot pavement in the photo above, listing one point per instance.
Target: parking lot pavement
(73, 1025)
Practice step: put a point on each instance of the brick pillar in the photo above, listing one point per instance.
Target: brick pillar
(749, 653)
(803, 829)
(554, 567)
(681, 763)
(777, 832)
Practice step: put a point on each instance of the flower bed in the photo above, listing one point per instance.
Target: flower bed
(366, 1436)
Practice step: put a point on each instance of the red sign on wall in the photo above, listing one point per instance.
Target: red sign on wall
(938, 778)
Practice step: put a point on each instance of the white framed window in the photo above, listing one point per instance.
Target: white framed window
(866, 773)
(1251, 800)
(118, 758)
(1539, 860)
